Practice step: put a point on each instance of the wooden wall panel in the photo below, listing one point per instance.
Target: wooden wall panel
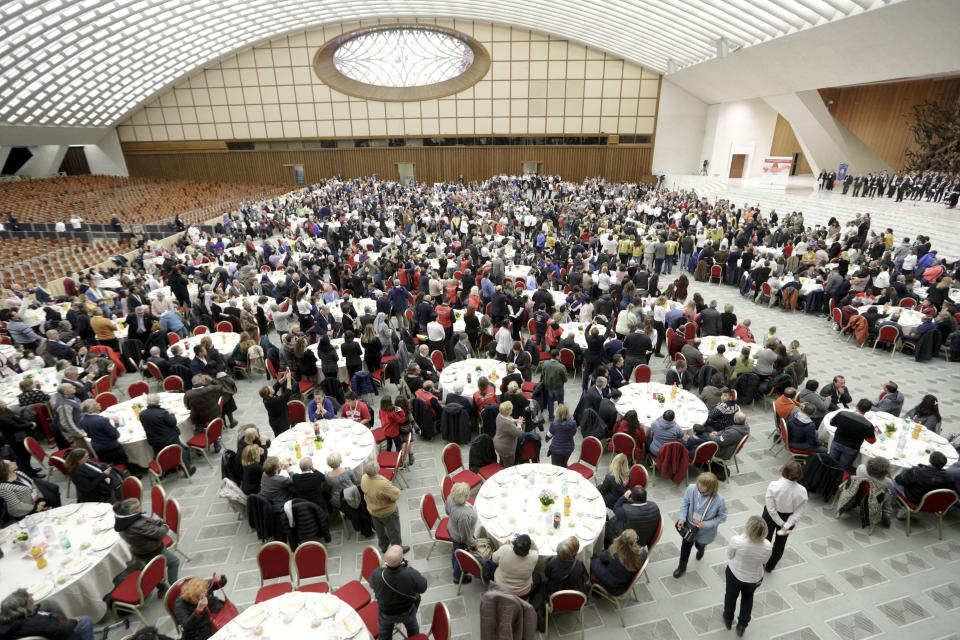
(880, 114)
(785, 143)
(432, 164)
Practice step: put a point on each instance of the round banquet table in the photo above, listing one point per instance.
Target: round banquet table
(76, 582)
(559, 297)
(914, 452)
(352, 440)
(638, 396)
(341, 361)
(732, 346)
(359, 305)
(10, 386)
(578, 330)
(517, 271)
(223, 341)
(807, 285)
(909, 319)
(458, 372)
(296, 615)
(648, 304)
(7, 350)
(192, 289)
(508, 504)
(125, 417)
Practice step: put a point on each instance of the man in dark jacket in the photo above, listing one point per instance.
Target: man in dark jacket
(139, 323)
(709, 320)
(729, 438)
(311, 485)
(914, 483)
(397, 586)
(633, 511)
(161, 428)
(203, 401)
(144, 535)
(20, 618)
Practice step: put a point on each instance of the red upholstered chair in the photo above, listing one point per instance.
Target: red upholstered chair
(436, 526)
(224, 327)
(439, 625)
(703, 454)
(297, 411)
(58, 463)
(172, 338)
(590, 452)
(641, 373)
(354, 593)
(888, 335)
(199, 331)
(469, 565)
(689, 331)
(437, 358)
(716, 271)
(565, 600)
(132, 488)
(102, 385)
(171, 518)
(625, 444)
(173, 384)
(908, 303)
(453, 463)
(273, 561)
(615, 600)
(158, 501)
(310, 559)
(938, 502)
(723, 463)
(44, 417)
(137, 389)
(210, 436)
(638, 476)
(569, 359)
(446, 486)
(107, 400)
(131, 594)
(798, 454)
(169, 458)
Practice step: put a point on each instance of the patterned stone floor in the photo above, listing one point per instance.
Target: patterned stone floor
(835, 581)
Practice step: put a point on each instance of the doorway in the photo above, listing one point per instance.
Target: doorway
(531, 167)
(405, 172)
(737, 162)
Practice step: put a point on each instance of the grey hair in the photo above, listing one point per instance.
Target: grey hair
(155, 351)
(71, 371)
(51, 333)
(306, 463)
(16, 606)
(126, 507)
(458, 388)
(371, 468)
(88, 406)
(601, 382)
(197, 380)
(153, 398)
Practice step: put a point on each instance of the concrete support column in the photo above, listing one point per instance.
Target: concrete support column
(106, 157)
(45, 162)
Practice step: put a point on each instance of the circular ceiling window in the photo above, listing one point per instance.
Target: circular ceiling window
(401, 62)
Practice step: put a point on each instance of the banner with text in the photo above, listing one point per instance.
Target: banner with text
(776, 171)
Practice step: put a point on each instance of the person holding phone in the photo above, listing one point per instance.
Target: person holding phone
(198, 611)
(398, 588)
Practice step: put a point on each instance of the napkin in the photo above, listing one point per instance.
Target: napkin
(251, 617)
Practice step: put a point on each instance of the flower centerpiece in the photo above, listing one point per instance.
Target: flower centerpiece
(731, 344)
(547, 498)
(890, 428)
(478, 369)
(580, 329)
(661, 399)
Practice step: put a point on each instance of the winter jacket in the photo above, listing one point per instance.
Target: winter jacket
(715, 515)
(142, 533)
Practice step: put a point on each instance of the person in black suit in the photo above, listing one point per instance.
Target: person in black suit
(427, 370)
(312, 485)
(95, 481)
(139, 324)
(157, 358)
(135, 298)
(633, 511)
(56, 348)
(456, 396)
(161, 429)
(463, 349)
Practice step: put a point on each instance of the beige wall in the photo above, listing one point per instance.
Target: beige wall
(537, 84)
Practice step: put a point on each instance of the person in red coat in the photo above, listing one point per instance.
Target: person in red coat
(391, 418)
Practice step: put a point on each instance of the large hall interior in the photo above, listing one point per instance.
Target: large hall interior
(479, 320)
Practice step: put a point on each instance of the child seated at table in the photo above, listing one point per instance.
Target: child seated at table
(695, 439)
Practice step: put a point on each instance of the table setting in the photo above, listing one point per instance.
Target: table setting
(909, 319)
(807, 285)
(559, 297)
(649, 303)
(651, 399)
(318, 439)
(10, 386)
(336, 343)
(297, 615)
(66, 557)
(125, 417)
(517, 272)
(904, 443)
(528, 498)
(469, 372)
(192, 289)
(732, 346)
(578, 330)
(223, 341)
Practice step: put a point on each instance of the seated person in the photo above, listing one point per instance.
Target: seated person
(356, 410)
(633, 511)
(711, 392)
(515, 562)
(678, 375)
(695, 439)
(321, 407)
(24, 495)
(196, 604)
(721, 415)
(730, 438)
(664, 430)
(914, 483)
(892, 400)
(95, 481)
(564, 571)
(786, 403)
(615, 568)
(274, 487)
(21, 618)
(485, 394)
(616, 481)
(251, 461)
(802, 431)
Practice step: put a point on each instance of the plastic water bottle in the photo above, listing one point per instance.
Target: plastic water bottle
(564, 486)
(49, 535)
(901, 442)
(65, 542)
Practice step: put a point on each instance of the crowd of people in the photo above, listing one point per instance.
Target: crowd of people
(390, 272)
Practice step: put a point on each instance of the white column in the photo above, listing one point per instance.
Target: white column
(106, 157)
(45, 162)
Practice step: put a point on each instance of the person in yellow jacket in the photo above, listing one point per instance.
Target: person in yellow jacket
(671, 255)
(381, 496)
(625, 248)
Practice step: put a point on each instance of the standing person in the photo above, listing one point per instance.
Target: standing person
(553, 375)
(784, 503)
(747, 553)
(275, 401)
(852, 429)
(391, 418)
(397, 586)
(381, 496)
(508, 432)
(704, 508)
(563, 429)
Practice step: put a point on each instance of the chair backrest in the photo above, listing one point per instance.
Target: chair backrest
(641, 373)
(908, 303)
(170, 457)
(102, 384)
(567, 358)
(716, 271)
(837, 316)
(172, 338)
(528, 451)
(782, 426)
(273, 560)
(624, 443)
(690, 331)
(743, 443)
(298, 412)
(35, 449)
(591, 450)
(173, 383)
(888, 333)
(272, 370)
(151, 575)
(172, 515)
(437, 358)
(440, 625)
(638, 475)
(107, 400)
(665, 449)
(310, 559)
(469, 564)
(656, 535)
(428, 511)
(224, 327)
(200, 330)
(170, 600)
(158, 501)
(765, 288)
(452, 458)
(704, 452)
(446, 486)
(155, 370)
(132, 488)
(137, 389)
(567, 600)
(370, 561)
(937, 501)
(58, 464)
(214, 430)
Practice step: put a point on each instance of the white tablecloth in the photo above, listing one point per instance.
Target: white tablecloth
(559, 297)
(341, 361)
(807, 285)
(132, 436)
(296, 615)
(517, 271)
(509, 504)
(732, 346)
(223, 341)
(648, 304)
(909, 319)
(352, 440)
(10, 386)
(359, 304)
(458, 372)
(97, 554)
(914, 452)
(192, 289)
(7, 350)
(638, 396)
(111, 283)
(578, 330)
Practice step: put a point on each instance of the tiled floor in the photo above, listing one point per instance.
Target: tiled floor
(834, 582)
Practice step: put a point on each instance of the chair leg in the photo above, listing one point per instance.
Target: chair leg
(616, 601)
(546, 624)
(940, 526)
(460, 581)
(432, 548)
(908, 522)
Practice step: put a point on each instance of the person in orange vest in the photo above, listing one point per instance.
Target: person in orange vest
(427, 394)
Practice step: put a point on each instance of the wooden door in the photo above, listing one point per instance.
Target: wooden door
(737, 161)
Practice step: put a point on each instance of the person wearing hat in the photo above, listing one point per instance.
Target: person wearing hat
(144, 536)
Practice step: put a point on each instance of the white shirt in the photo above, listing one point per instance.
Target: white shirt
(785, 496)
(60, 227)
(435, 332)
(76, 222)
(747, 558)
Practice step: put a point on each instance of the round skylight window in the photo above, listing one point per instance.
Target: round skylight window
(401, 62)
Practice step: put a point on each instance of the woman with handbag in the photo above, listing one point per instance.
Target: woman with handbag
(747, 554)
(701, 512)
(199, 612)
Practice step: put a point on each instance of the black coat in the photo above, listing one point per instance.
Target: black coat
(45, 625)
(160, 426)
(93, 485)
(197, 626)
(312, 487)
(309, 522)
(276, 406)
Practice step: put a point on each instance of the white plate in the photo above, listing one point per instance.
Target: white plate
(249, 620)
(586, 533)
(42, 590)
(104, 541)
(80, 566)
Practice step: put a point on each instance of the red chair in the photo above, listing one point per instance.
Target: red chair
(453, 463)
(765, 291)
(370, 615)
(437, 358)
(37, 452)
(132, 488)
(908, 303)
(138, 389)
(665, 452)
(569, 359)
(171, 518)
(938, 502)
(158, 501)
(154, 372)
(224, 327)
(439, 625)
(723, 463)
(310, 559)
(888, 335)
(210, 436)
(173, 384)
(716, 271)
(625, 444)
(169, 458)
(354, 593)
(131, 594)
(44, 417)
(446, 486)
(297, 411)
(641, 373)
(436, 526)
(170, 600)
(590, 452)
(565, 600)
(106, 400)
(199, 331)
(689, 331)
(102, 385)
(172, 338)
(638, 476)
(272, 370)
(703, 455)
(615, 600)
(528, 452)
(393, 459)
(273, 561)
(58, 463)
(469, 565)
(394, 472)
(798, 454)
